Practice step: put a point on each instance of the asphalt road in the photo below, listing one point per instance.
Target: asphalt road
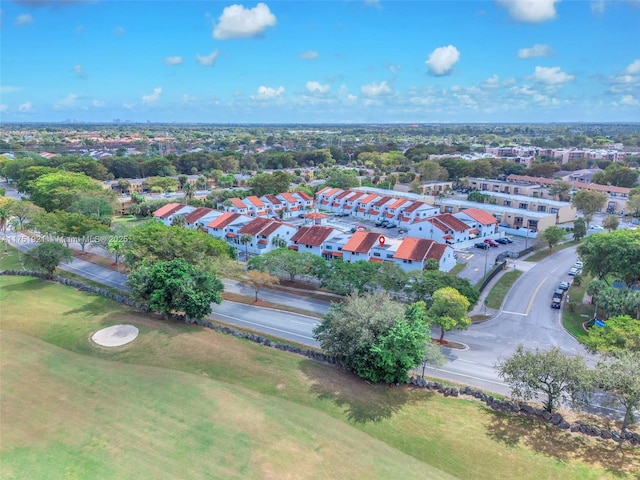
(526, 317)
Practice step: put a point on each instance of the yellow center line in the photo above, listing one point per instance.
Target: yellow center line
(534, 296)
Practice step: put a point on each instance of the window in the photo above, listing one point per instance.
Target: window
(407, 261)
(329, 247)
(554, 210)
(524, 206)
(389, 255)
(376, 254)
(507, 203)
(542, 208)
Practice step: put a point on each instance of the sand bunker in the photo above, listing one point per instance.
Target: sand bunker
(115, 336)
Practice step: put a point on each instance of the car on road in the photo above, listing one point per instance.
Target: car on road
(556, 303)
(578, 265)
(502, 240)
(403, 230)
(482, 245)
(564, 286)
(382, 223)
(490, 242)
(575, 271)
(559, 293)
(596, 227)
(391, 225)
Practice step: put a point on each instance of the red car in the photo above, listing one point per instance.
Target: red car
(490, 242)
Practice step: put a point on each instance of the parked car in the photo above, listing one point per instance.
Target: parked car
(403, 230)
(578, 265)
(509, 240)
(391, 225)
(502, 240)
(575, 271)
(301, 215)
(482, 245)
(564, 286)
(556, 303)
(490, 242)
(559, 293)
(378, 223)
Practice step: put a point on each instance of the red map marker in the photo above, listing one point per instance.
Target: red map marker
(381, 239)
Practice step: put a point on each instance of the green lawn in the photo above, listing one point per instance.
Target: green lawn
(186, 402)
(500, 289)
(545, 252)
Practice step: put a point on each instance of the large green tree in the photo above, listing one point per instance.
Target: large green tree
(175, 287)
(611, 223)
(620, 377)
(579, 229)
(285, 262)
(47, 256)
(560, 190)
(423, 284)
(553, 235)
(620, 334)
(153, 241)
(59, 190)
(448, 310)
(589, 203)
(551, 373)
(375, 337)
(265, 183)
(612, 254)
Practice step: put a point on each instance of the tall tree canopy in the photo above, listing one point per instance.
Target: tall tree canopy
(59, 190)
(589, 203)
(47, 256)
(619, 376)
(176, 287)
(612, 254)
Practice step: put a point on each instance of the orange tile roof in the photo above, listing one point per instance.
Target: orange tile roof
(415, 206)
(418, 250)
(446, 221)
(238, 203)
(313, 236)
(303, 196)
(315, 216)
(474, 231)
(273, 199)
(382, 201)
(481, 216)
(289, 198)
(223, 220)
(343, 194)
(368, 198)
(166, 210)
(355, 196)
(275, 225)
(396, 204)
(361, 242)
(255, 226)
(197, 214)
(255, 200)
(374, 259)
(231, 235)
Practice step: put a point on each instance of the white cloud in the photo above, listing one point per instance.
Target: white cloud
(375, 89)
(629, 100)
(316, 87)
(309, 55)
(172, 61)
(539, 50)
(3, 107)
(188, 99)
(350, 99)
(530, 11)
(442, 60)
(120, 31)
(492, 82)
(237, 21)
(25, 107)
(98, 103)
(598, 7)
(552, 75)
(153, 97)
(268, 93)
(633, 67)
(67, 102)
(207, 60)
(24, 19)
(78, 70)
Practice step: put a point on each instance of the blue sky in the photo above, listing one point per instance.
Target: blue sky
(329, 61)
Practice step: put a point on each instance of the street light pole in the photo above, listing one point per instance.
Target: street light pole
(486, 258)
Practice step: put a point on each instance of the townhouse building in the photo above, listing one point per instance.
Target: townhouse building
(365, 204)
(169, 212)
(359, 247)
(227, 225)
(416, 211)
(264, 232)
(413, 254)
(312, 239)
(441, 228)
(200, 217)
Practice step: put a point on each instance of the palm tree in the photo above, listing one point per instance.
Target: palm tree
(245, 239)
(4, 218)
(179, 221)
(188, 189)
(279, 242)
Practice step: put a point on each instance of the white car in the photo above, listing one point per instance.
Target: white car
(578, 265)
(575, 271)
(597, 227)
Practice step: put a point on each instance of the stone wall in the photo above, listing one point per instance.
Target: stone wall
(520, 408)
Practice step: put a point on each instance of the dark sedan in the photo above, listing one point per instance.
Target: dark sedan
(482, 245)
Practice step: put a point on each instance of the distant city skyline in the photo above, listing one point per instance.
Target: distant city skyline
(332, 62)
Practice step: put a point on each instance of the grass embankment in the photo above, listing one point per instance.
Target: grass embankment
(501, 288)
(542, 254)
(575, 313)
(186, 402)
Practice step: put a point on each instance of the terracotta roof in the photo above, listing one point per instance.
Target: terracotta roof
(313, 236)
(396, 204)
(289, 198)
(474, 231)
(480, 215)
(445, 222)
(374, 259)
(263, 242)
(197, 214)
(168, 209)
(342, 195)
(315, 216)
(231, 235)
(275, 225)
(236, 202)
(303, 196)
(329, 191)
(368, 198)
(361, 242)
(255, 200)
(255, 226)
(382, 201)
(415, 206)
(355, 196)
(419, 249)
(323, 190)
(272, 199)
(224, 220)
(293, 247)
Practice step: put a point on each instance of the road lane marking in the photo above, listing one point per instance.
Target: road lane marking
(533, 297)
(215, 314)
(515, 313)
